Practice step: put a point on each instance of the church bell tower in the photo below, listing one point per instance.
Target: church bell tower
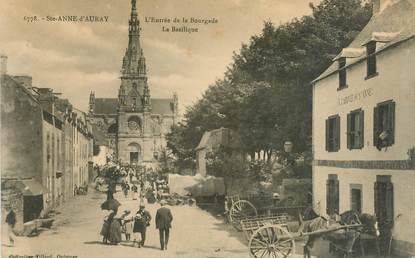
(134, 106)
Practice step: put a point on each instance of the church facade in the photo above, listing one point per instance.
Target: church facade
(133, 125)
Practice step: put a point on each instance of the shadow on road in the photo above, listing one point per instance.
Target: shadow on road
(94, 243)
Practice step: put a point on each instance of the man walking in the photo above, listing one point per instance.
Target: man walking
(141, 223)
(11, 221)
(163, 224)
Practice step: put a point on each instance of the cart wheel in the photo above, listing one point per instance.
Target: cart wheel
(241, 210)
(271, 241)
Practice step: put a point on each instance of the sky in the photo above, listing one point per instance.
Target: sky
(75, 58)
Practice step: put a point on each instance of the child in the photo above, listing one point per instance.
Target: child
(128, 227)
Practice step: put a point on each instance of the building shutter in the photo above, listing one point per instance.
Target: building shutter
(376, 127)
(337, 134)
(332, 195)
(349, 131)
(327, 135)
(389, 202)
(361, 129)
(391, 119)
(328, 197)
(384, 204)
(376, 199)
(336, 196)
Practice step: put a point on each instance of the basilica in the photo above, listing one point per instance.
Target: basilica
(133, 126)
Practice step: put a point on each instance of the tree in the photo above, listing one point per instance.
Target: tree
(226, 162)
(265, 95)
(165, 160)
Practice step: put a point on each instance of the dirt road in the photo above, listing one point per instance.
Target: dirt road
(195, 233)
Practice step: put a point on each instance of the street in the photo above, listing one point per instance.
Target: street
(195, 233)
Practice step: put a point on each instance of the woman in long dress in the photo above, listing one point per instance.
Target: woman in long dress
(114, 234)
(105, 229)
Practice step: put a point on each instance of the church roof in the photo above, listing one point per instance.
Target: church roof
(162, 106)
(394, 24)
(99, 135)
(106, 106)
(109, 106)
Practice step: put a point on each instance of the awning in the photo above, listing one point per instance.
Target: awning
(31, 187)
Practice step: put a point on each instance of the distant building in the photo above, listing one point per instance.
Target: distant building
(46, 148)
(212, 140)
(364, 126)
(21, 152)
(133, 126)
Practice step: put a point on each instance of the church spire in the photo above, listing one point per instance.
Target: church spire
(134, 94)
(132, 63)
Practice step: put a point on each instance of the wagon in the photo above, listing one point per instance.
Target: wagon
(239, 210)
(271, 237)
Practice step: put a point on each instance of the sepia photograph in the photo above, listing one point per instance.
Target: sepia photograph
(207, 128)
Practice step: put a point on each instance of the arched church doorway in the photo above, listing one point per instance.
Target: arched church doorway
(134, 150)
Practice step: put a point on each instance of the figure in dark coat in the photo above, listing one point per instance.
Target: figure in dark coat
(141, 222)
(163, 224)
(11, 222)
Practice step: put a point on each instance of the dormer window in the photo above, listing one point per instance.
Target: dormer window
(371, 59)
(342, 73)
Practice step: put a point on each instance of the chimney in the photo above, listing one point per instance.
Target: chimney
(47, 99)
(3, 69)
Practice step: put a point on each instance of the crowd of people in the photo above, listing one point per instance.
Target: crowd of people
(134, 226)
(131, 227)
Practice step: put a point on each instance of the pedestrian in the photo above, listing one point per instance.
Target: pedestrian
(134, 188)
(126, 188)
(105, 230)
(141, 223)
(163, 224)
(131, 174)
(128, 225)
(114, 234)
(11, 222)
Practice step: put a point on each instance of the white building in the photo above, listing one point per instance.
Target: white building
(364, 125)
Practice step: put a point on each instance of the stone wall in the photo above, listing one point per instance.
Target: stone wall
(12, 197)
(21, 119)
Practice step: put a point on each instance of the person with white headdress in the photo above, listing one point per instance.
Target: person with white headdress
(141, 222)
(128, 225)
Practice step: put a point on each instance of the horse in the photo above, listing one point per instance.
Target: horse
(344, 237)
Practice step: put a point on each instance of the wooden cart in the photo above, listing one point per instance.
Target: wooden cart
(239, 210)
(275, 240)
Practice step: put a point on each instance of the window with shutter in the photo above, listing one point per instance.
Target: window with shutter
(333, 133)
(327, 134)
(342, 73)
(332, 195)
(371, 59)
(356, 197)
(361, 129)
(391, 123)
(384, 124)
(355, 121)
(384, 204)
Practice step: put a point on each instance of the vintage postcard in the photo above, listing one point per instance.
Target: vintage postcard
(207, 128)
